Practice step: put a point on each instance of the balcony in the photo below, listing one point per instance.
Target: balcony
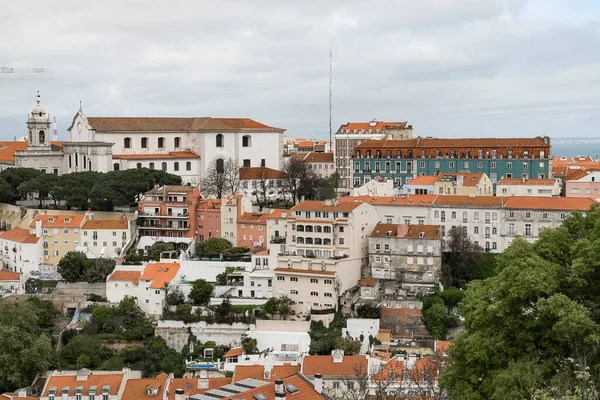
(163, 215)
(166, 227)
(277, 240)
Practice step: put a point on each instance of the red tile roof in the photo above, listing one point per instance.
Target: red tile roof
(469, 179)
(419, 200)
(306, 144)
(197, 124)
(235, 352)
(19, 235)
(190, 386)
(470, 143)
(166, 156)
(160, 274)
(306, 390)
(379, 125)
(9, 276)
(111, 224)
(406, 231)
(576, 174)
(318, 205)
(424, 180)
(254, 173)
(479, 201)
(314, 157)
(369, 282)
(550, 203)
(113, 380)
(242, 372)
(59, 220)
(253, 218)
(528, 182)
(137, 389)
(7, 150)
(283, 371)
(401, 318)
(328, 368)
(277, 213)
(126, 276)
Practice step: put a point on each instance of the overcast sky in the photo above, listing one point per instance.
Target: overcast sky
(450, 67)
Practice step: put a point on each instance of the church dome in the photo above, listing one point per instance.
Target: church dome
(38, 111)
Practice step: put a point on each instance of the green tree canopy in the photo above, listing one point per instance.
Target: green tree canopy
(72, 266)
(540, 310)
(201, 292)
(214, 247)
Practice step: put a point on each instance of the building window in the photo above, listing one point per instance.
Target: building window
(116, 167)
(280, 278)
(144, 143)
(327, 294)
(246, 141)
(164, 166)
(161, 142)
(314, 293)
(314, 280)
(293, 291)
(219, 140)
(508, 165)
(220, 164)
(177, 142)
(127, 143)
(246, 163)
(176, 166)
(138, 165)
(188, 166)
(294, 279)
(151, 165)
(528, 230)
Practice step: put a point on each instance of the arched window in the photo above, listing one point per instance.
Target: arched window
(90, 165)
(327, 229)
(84, 161)
(127, 143)
(116, 167)
(219, 140)
(177, 142)
(188, 166)
(246, 141)
(318, 241)
(42, 137)
(161, 142)
(309, 240)
(309, 228)
(76, 160)
(300, 240)
(220, 166)
(144, 143)
(327, 242)
(164, 166)
(176, 166)
(318, 228)
(138, 165)
(151, 165)
(70, 162)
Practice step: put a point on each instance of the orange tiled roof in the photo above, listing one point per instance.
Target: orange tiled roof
(328, 368)
(159, 274)
(166, 156)
(413, 232)
(9, 276)
(126, 276)
(7, 150)
(137, 389)
(59, 220)
(424, 180)
(306, 144)
(190, 386)
(306, 390)
(442, 345)
(481, 201)
(253, 217)
(314, 157)
(242, 372)
(283, 371)
(19, 235)
(112, 224)
(369, 282)
(550, 203)
(469, 179)
(304, 271)
(252, 173)
(420, 200)
(318, 205)
(395, 316)
(575, 174)
(197, 124)
(98, 380)
(454, 143)
(528, 182)
(235, 352)
(277, 213)
(379, 125)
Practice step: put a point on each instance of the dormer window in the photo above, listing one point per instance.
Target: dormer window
(67, 219)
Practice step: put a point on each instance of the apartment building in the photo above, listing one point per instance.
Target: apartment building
(463, 183)
(404, 160)
(86, 384)
(208, 219)
(352, 134)
(409, 254)
(106, 238)
(407, 210)
(321, 163)
(232, 208)
(169, 212)
(252, 231)
(21, 251)
(326, 250)
(529, 187)
(424, 184)
(60, 234)
(266, 183)
(582, 183)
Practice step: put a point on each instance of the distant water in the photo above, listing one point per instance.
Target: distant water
(570, 147)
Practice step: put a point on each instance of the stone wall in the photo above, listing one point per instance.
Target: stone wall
(78, 288)
(177, 333)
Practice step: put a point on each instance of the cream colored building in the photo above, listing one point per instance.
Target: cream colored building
(61, 233)
(232, 207)
(105, 238)
(528, 187)
(326, 251)
(463, 184)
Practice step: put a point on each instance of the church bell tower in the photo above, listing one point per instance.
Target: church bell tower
(38, 127)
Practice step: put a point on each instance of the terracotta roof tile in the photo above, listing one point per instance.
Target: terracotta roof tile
(277, 213)
(9, 276)
(283, 371)
(469, 143)
(318, 205)
(479, 201)
(242, 372)
(126, 276)
(406, 231)
(398, 317)
(550, 203)
(306, 144)
(7, 150)
(19, 235)
(252, 173)
(113, 380)
(469, 179)
(161, 124)
(328, 368)
(528, 182)
(575, 174)
(379, 125)
(306, 390)
(253, 218)
(424, 180)
(234, 352)
(112, 224)
(59, 220)
(166, 156)
(159, 274)
(419, 200)
(137, 389)
(314, 157)
(368, 282)
(190, 386)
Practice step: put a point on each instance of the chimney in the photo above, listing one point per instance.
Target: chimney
(279, 389)
(179, 394)
(38, 228)
(22, 393)
(318, 383)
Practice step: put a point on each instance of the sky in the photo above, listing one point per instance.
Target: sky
(451, 68)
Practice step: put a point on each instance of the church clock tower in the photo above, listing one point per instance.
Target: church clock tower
(38, 127)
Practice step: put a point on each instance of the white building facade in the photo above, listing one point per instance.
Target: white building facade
(529, 187)
(21, 251)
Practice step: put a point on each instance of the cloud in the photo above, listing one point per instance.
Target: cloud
(451, 68)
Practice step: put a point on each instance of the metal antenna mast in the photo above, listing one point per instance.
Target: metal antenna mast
(330, 142)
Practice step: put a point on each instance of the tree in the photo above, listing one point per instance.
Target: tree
(348, 345)
(299, 180)
(284, 307)
(201, 292)
(213, 247)
(327, 188)
(222, 277)
(249, 345)
(72, 266)
(271, 306)
(435, 320)
(369, 310)
(97, 270)
(221, 178)
(264, 184)
(157, 248)
(174, 297)
(461, 257)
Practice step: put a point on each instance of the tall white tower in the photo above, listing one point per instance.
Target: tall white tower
(38, 126)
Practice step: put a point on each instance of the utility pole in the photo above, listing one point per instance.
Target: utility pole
(330, 142)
